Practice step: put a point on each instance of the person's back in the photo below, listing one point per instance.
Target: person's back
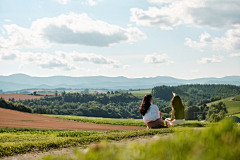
(179, 112)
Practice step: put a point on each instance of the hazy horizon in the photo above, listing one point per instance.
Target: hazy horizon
(182, 39)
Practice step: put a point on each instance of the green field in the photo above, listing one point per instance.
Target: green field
(236, 98)
(100, 120)
(233, 107)
(115, 121)
(141, 93)
(18, 141)
(219, 141)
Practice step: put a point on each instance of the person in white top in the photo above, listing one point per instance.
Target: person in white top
(151, 114)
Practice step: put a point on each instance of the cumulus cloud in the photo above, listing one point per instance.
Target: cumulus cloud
(43, 60)
(7, 20)
(230, 42)
(20, 37)
(214, 59)
(68, 29)
(157, 58)
(90, 57)
(126, 66)
(194, 44)
(200, 13)
(234, 55)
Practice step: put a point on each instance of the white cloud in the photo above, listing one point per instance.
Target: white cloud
(126, 66)
(43, 60)
(157, 58)
(230, 42)
(89, 57)
(194, 44)
(206, 37)
(234, 55)
(200, 13)
(21, 38)
(68, 29)
(21, 66)
(214, 59)
(195, 71)
(7, 20)
(64, 1)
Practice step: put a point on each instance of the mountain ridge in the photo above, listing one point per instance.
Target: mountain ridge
(23, 81)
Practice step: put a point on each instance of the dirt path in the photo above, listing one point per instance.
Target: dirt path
(11, 118)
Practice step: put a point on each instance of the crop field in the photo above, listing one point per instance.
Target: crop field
(219, 141)
(11, 118)
(232, 106)
(19, 96)
(141, 93)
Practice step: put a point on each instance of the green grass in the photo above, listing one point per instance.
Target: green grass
(219, 141)
(233, 107)
(114, 121)
(236, 98)
(99, 120)
(141, 93)
(25, 141)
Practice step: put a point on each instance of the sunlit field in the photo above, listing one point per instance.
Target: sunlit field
(219, 141)
(233, 107)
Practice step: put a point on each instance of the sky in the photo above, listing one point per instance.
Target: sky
(184, 39)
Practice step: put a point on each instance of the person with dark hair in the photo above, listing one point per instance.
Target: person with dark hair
(178, 115)
(151, 114)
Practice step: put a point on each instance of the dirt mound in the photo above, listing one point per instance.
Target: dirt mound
(11, 118)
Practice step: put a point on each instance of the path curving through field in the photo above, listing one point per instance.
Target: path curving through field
(11, 118)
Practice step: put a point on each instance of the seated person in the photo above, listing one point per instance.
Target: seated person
(178, 116)
(150, 113)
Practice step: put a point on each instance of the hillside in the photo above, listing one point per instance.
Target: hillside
(22, 81)
(232, 106)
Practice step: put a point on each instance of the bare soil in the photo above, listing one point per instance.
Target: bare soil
(11, 118)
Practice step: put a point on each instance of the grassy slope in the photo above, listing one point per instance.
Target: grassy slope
(141, 93)
(236, 98)
(215, 142)
(232, 106)
(115, 121)
(26, 141)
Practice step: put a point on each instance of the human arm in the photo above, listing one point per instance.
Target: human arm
(173, 113)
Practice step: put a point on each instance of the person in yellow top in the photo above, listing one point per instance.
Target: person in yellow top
(178, 115)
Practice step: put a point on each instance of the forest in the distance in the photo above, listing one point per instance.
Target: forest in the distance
(125, 104)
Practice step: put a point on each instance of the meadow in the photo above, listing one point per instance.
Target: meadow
(117, 121)
(141, 93)
(233, 106)
(219, 141)
(23, 140)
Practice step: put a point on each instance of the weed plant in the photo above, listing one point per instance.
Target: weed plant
(18, 143)
(219, 141)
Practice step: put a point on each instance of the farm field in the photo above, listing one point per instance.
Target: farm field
(232, 106)
(23, 96)
(236, 98)
(141, 93)
(11, 118)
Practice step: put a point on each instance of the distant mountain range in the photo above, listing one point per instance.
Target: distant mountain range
(21, 81)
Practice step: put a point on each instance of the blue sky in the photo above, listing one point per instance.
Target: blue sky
(133, 38)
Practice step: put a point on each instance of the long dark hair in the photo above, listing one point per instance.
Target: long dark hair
(176, 103)
(145, 104)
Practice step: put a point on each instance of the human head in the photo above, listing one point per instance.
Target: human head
(146, 102)
(176, 102)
